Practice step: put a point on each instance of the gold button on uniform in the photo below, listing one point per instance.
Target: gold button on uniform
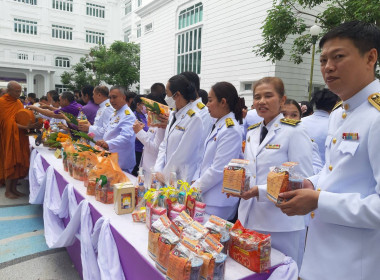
(344, 115)
(312, 215)
(346, 106)
(334, 140)
(330, 167)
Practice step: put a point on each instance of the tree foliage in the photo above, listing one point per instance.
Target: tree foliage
(287, 18)
(117, 65)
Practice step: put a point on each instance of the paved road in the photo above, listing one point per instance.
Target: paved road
(23, 250)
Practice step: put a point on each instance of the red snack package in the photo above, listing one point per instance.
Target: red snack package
(250, 248)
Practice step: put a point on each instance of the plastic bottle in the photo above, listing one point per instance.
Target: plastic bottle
(140, 186)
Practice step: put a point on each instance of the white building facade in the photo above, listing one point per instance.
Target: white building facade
(39, 39)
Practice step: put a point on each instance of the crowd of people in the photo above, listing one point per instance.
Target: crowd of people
(335, 147)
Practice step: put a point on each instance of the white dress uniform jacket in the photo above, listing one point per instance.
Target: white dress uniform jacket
(222, 145)
(179, 151)
(316, 126)
(102, 119)
(151, 140)
(344, 236)
(120, 137)
(293, 145)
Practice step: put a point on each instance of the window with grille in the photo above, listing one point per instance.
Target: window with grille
(139, 3)
(61, 88)
(127, 33)
(63, 5)
(62, 62)
(25, 26)
(94, 37)
(189, 42)
(148, 27)
(95, 10)
(128, 7)
(138, 30)
(62, 32)
(22, 56)
(31, 2)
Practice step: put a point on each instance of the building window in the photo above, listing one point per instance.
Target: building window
(31, 2)
(94, 37)
(22, 56)
(62, 62)
(139, 3)
(95, 10)
(138, 30)
(189, 43)
(247, 86)
(25, 26)
(63, 5)
(148, 27)
(127, 33)
(61, 88)
(190, 16)
(61, 32)
(128, 7)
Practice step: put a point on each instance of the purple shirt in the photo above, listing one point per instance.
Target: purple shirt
(90, 110)
(73, 108)
(142, 118)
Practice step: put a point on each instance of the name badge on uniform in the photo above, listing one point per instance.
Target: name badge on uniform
(350, 136)
(272, 146)
(180, 128)
(117, 119)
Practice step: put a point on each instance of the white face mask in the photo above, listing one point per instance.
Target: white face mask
(170, 101)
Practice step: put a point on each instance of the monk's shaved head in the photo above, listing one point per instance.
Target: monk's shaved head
(14, 89)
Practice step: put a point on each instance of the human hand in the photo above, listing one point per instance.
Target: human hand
(164, 119)
(307, 184)
(102, 144)
(137, 126)
(300, 202)
(254, 191)
(63, 127)
(84, 126)
(44, 106)
(160, 177)
(31, 107)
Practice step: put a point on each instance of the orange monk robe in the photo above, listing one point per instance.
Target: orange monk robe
(14, 144)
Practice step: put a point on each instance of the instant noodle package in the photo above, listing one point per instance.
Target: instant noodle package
(236, 177)
(250, 248)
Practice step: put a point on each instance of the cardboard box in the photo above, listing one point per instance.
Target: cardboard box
(124, 198)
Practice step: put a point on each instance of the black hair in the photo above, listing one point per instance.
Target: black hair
(182, 84)
(309, 110)
(157, 88)
(136, 101)
(365, 36)
(203, 94)
(32, 95)
(55, 97)
(193, 78)
(52, 92)
(130, 95)
(324, 100)
(77, 91)
(43, 98)
(37, 100)
(227, 91)
(22, 97)
(68, 95)
(295, 103)
(103, 90)
(156, 98)
(89, 91)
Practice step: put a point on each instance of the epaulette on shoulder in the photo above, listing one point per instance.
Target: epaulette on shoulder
(374, 99)
(127, 112)
(229, 122)
(290, 121)
(337, 105)
(200, 105)
(253, 126)
(107, 104)
(190, 112)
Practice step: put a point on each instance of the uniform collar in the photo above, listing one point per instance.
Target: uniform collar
(183, 111)
(360, 97)
(222, 122)
(103, 104)
(321, 113)
(273, 122)
(122, 109)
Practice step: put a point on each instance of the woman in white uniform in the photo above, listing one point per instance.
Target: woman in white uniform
(179, 151)
(292, 110)
(284, 141)
(224, 142)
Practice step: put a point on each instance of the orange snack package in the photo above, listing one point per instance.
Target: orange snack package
(250, 248)
(234, 177)
(155, 231)
(166, 243)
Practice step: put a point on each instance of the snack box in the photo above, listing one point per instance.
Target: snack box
(124, 198)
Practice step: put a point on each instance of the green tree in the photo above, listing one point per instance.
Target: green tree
(117, 65)
(286, 18)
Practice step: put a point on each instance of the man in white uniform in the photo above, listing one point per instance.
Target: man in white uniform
(102, 116)
(343, 241)
(119, 136)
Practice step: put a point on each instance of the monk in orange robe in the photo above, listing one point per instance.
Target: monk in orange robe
(14, 144)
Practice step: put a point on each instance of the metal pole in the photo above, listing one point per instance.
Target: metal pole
(312, 67)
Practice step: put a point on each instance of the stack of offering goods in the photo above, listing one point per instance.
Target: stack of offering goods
(155, 231)
(103, 190)
(236, 177)
(250, 248)
(54, 140)
(124, 198)
(220, 230)
(154, 110)
(282, 179)
(154, 209)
